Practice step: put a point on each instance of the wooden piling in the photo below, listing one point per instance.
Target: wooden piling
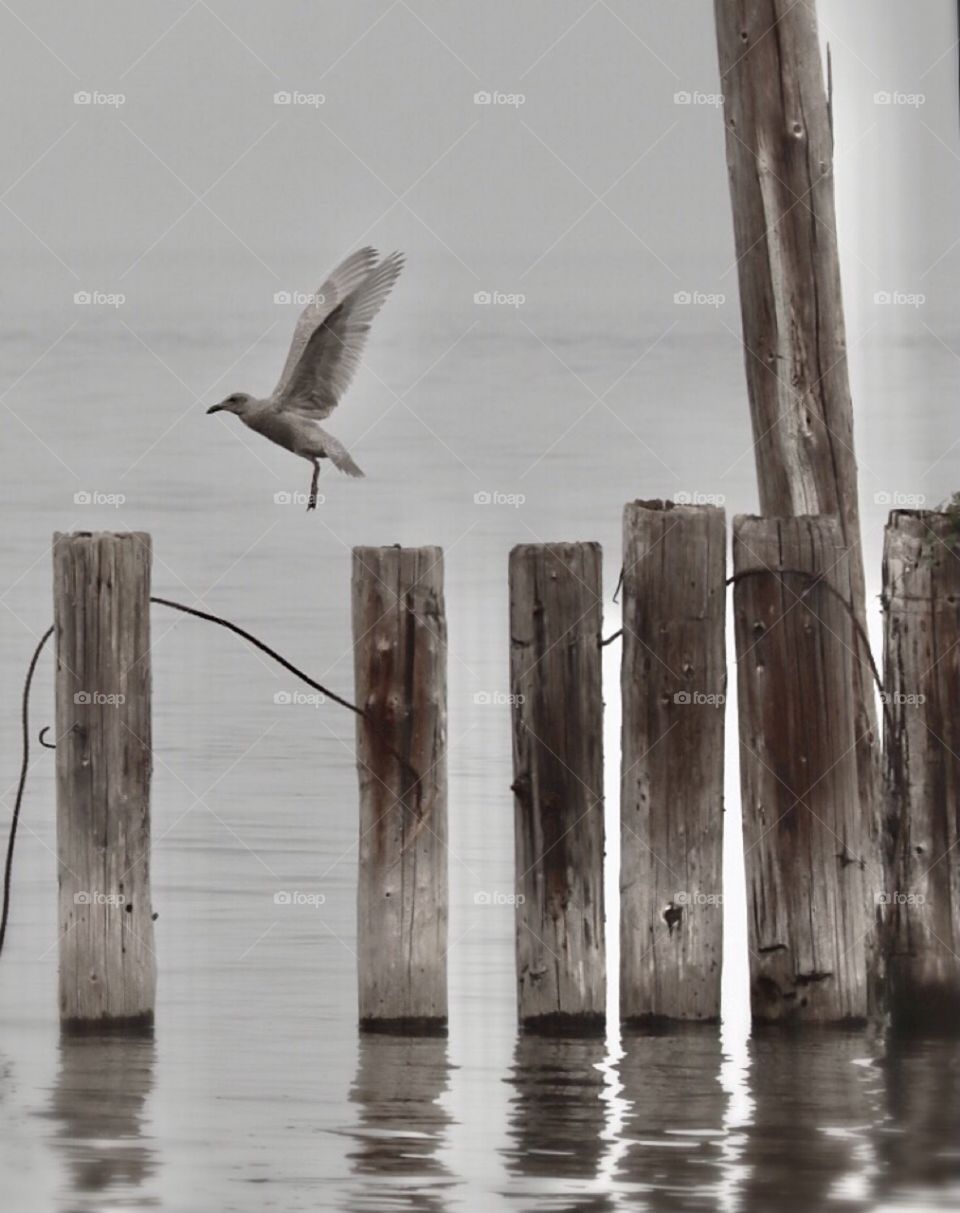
(400, 654)
(557, 713)
(809, 877)
(103, 727)
(779, 142)
(921, 597)
(671, 799)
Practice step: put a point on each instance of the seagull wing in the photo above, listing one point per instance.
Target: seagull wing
(334, 349)
(345, 278)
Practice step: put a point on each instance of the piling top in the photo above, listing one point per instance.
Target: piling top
(96, 536)
(560, 548)
(922, 522)
(658, 505)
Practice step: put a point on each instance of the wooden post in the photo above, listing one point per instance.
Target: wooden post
(921, 594)
(780, 157)
(557, 710)
(809, 879)
(102, 619)
(400, 655)
(671, 797)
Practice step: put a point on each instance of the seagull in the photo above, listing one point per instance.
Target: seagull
(324, 355)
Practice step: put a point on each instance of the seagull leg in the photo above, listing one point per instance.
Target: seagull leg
(312, 501)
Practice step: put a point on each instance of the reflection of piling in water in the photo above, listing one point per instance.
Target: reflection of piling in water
(557, 1115)
(674, 1128)
(401, 1124)
(918, 1147)
(98, 1106)
(809, 1092)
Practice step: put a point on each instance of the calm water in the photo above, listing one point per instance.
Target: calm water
(256, 1091)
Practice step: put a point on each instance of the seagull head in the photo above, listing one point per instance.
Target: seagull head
(235, 403)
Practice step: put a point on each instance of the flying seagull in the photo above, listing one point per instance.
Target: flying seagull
(324, 355)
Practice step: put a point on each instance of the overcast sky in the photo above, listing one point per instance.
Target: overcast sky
(96, 189)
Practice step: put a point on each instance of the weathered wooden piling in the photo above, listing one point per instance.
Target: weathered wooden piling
(400, 654)
(921, 597)
(103, 726)
(557, 711)
(671, 798)
(779, 142)
(810, 883)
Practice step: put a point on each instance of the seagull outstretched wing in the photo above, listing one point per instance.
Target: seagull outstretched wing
(334, 349)
(345, 278)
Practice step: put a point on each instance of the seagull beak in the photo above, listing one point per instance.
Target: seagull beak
(214, 408)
